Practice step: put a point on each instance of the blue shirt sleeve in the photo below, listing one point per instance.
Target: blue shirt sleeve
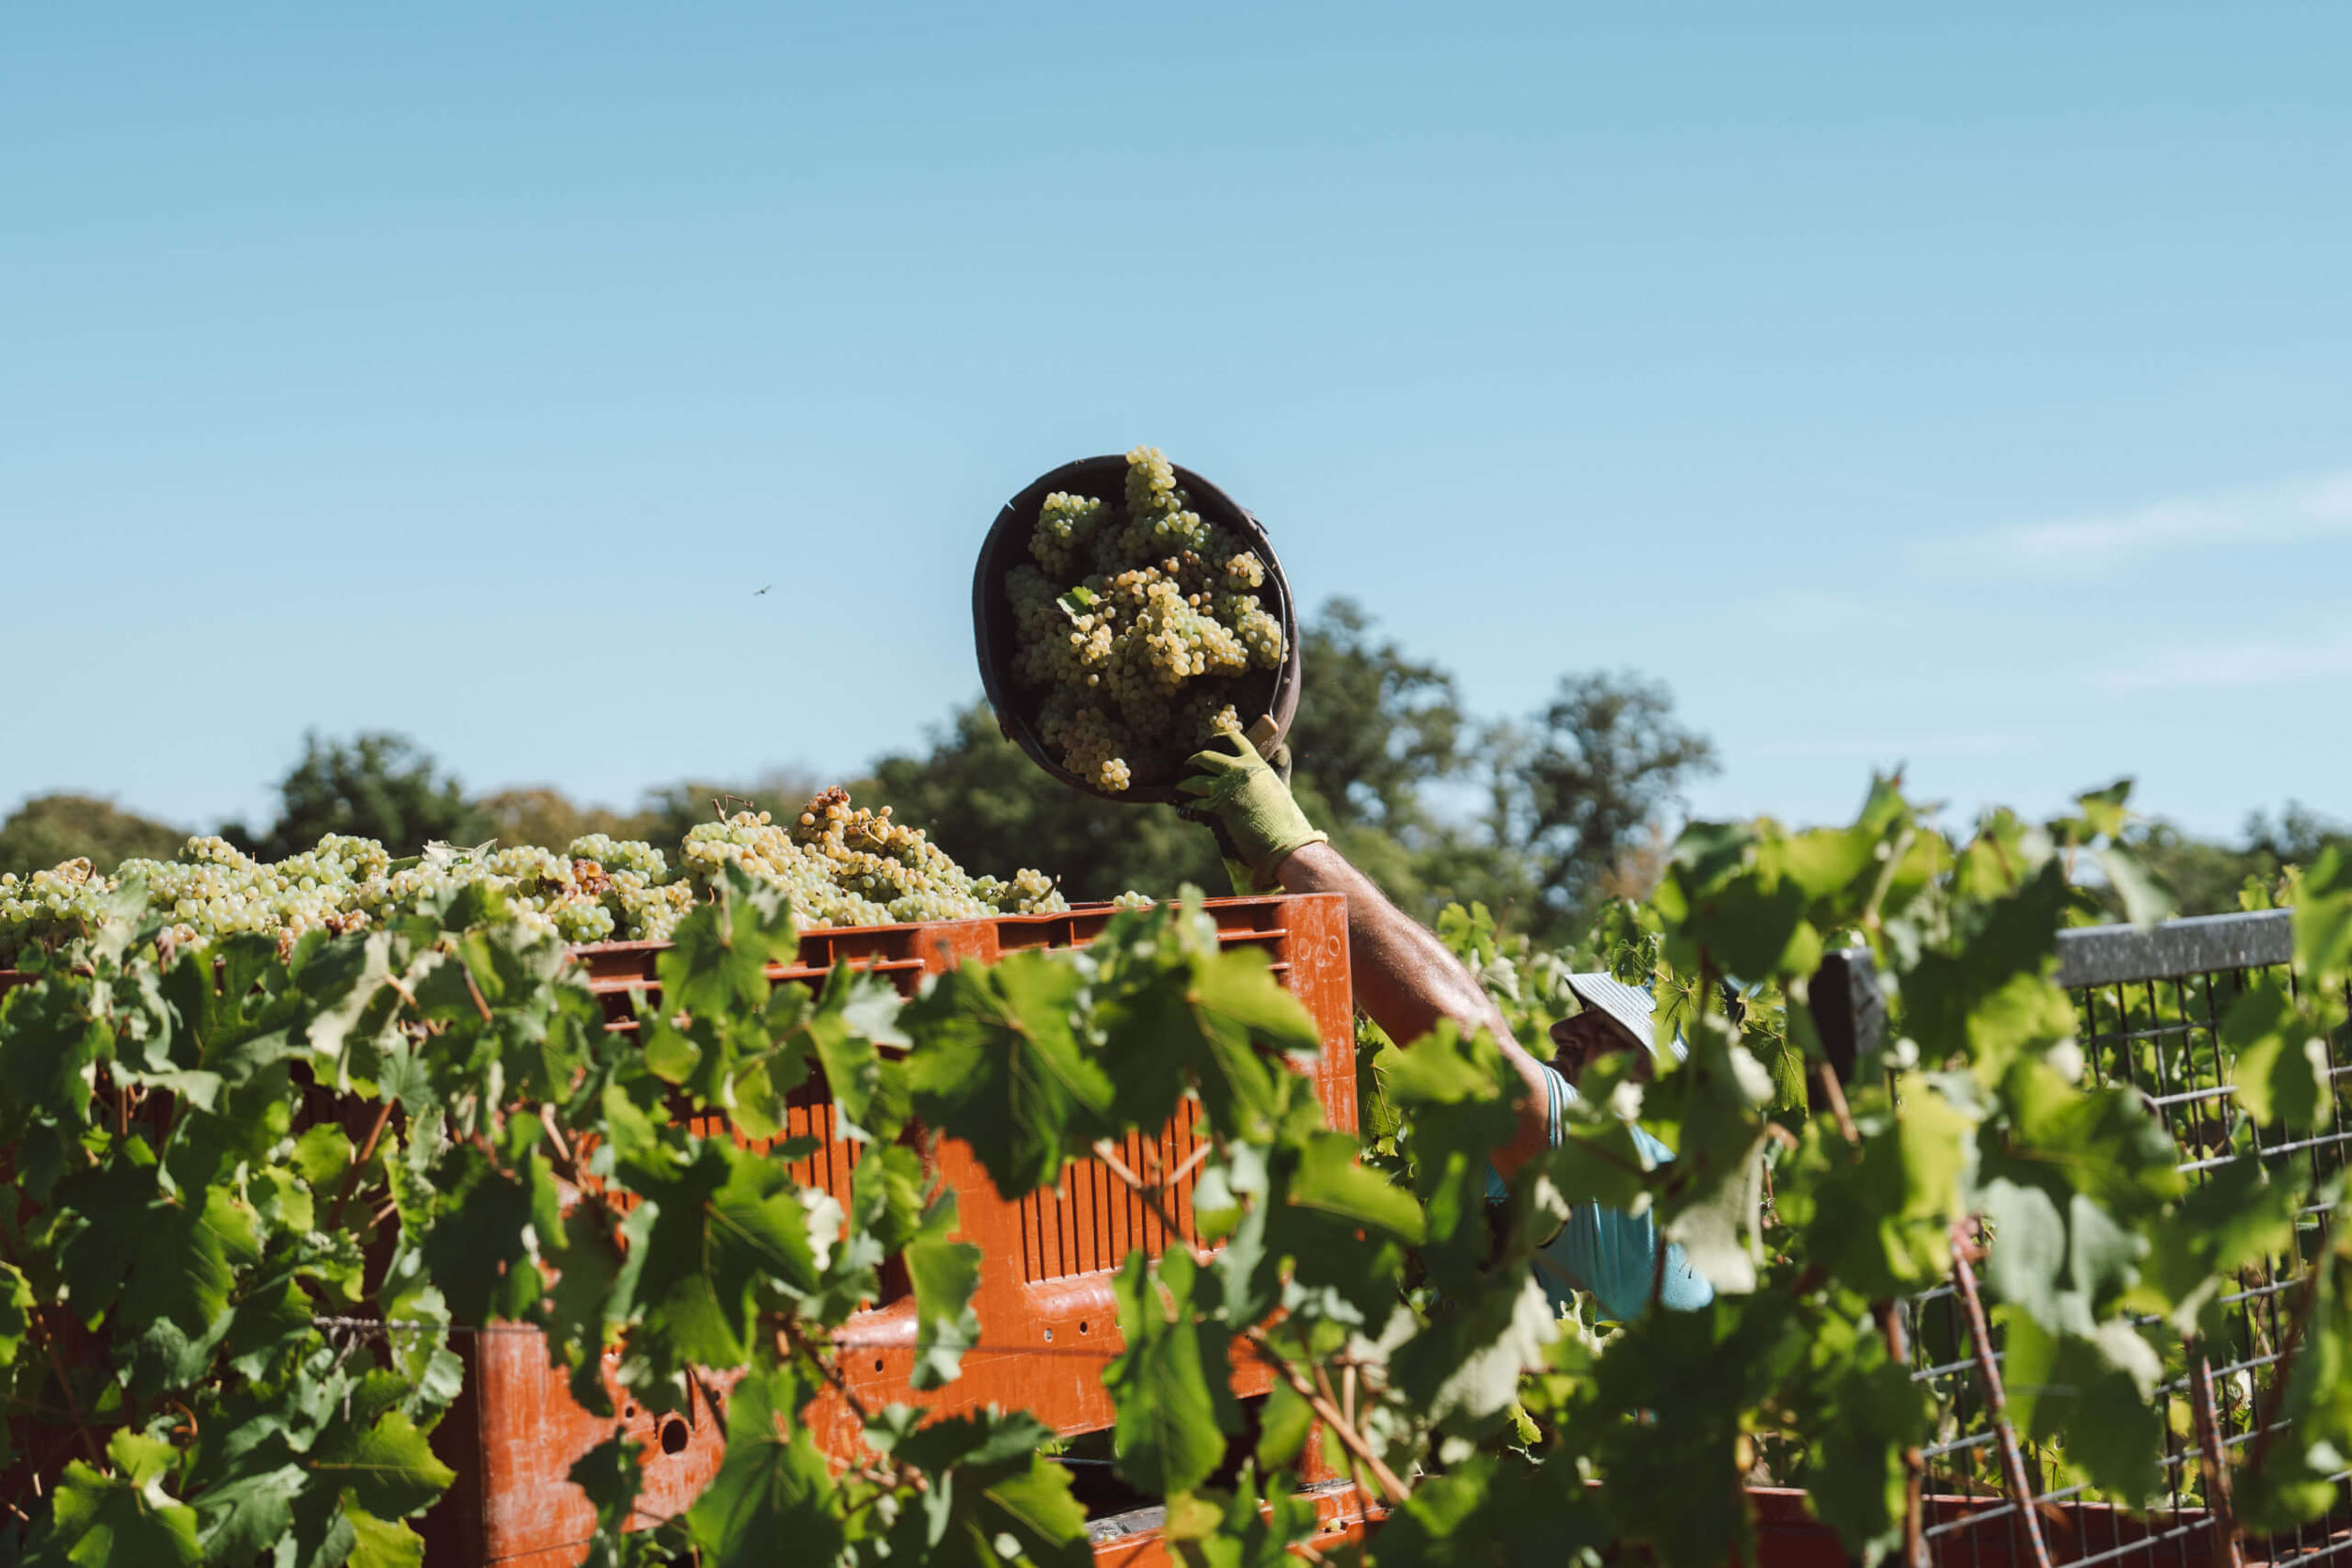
(1606, 1252)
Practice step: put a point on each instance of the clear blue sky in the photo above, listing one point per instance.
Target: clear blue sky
(1967, 388)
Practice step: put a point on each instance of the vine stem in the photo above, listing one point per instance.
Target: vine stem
(900, 1475)
(710, 1399)
(555, 1135)
(2295, 1334)
(1890, 1317)
(1192, 1163)
(1887, 868)
(1657, 1254)
(829, 1372)
(1107, 1153)
(358, 1162)
(1350, 1439)
(1995, 1402)
(56, 1365)
(1347, 1409)
(2214, 1462)
(1834, 1092)
(475, 991)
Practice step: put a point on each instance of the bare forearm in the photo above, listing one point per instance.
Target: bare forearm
(1405, 978)
(1405, 981)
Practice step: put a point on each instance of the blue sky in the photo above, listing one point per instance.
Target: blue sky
(1966, 390)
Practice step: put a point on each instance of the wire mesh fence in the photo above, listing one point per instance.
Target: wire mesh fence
(2151, 1005)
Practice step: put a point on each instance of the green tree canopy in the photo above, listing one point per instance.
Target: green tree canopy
(49, 830)
(375, 785)
(1572, 793)
(1575, 791)
(986, 804)
(1374, 726)
(546, 816)
(2299, 835)
(2208, 875)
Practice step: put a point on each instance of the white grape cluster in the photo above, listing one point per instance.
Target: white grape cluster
(617, 855)
(1134, 622)
(840, 865)
(46, 902)
(211, 889)
(844, 865)
(547, 894)
(214, 888)
(1065, 528)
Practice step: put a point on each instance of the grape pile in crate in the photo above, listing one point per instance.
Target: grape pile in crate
(840, 864)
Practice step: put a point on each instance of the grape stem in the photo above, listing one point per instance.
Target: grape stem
(2214, 1460)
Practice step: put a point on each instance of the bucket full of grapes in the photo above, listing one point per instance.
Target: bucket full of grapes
(1124, 608)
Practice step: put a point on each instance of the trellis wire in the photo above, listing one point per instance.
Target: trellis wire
(2151, 1004)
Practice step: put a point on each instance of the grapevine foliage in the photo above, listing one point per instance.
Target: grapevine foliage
(258, 1196)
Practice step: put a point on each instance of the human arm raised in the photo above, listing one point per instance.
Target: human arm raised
(1405, 981)
(1405, 978)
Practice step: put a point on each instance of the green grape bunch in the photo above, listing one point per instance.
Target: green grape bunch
(845, 865)
(840, 865)
(1135, 623)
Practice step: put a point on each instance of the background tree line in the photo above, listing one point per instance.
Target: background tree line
(1539, 818)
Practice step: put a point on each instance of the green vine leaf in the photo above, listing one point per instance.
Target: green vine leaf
(726, 1229)
(1174, 1413)
(773, 1486)
(990, 1489)
(389, 1471)
(944, 1273)
(125, 1519)
(1002, 1068)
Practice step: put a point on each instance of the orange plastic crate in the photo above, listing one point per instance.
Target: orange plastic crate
(1048, 1319)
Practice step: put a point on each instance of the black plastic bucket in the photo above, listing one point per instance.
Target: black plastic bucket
(1267, 694)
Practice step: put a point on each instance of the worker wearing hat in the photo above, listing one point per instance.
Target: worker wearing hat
(1607, 1251)
(1406, 981)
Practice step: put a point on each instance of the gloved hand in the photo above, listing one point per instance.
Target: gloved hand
(1248, 805)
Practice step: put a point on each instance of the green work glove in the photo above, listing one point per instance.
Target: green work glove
(1248, 806)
